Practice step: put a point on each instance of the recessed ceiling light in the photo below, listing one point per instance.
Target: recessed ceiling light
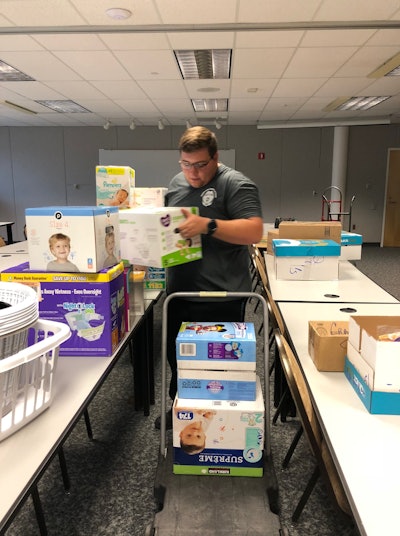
(389, 68)
(360, 103)
(204, 64)
(10, 74)
(118, 13)
(210, 105)
(63, 106)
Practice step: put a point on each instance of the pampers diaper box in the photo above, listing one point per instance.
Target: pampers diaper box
(115, 186)
(214, 437)
(150, 237)
(73, 239)
(91, 304)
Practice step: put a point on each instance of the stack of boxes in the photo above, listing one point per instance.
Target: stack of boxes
(373, 362)
(218, 414)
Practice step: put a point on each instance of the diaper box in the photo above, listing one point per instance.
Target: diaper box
(216, 346)
(219, 437)
(217, 384)
(155, 278)
(351, 246)
(327, 344)
(150, 237)
(306, 260)
(149, 197)
(73, 239)
(91, 304)
(115, 186)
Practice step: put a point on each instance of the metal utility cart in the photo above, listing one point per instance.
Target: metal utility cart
(215, 505)
(332, 205)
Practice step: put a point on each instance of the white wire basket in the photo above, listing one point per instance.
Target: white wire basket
(26, 378)
(15, 320)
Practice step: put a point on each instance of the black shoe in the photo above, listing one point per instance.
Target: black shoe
(168, 421)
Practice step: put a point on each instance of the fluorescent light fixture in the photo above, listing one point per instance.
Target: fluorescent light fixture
(132, 125)
(63, 106)
(311, 124)
(360, 103)
(204, 64)
(389, 68)
(161, 125)
(118, 13)
(10, 74)
(210, 105)
(217, 124)
(18, 108)
(107, 125)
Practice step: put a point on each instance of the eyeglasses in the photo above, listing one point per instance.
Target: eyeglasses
(195, 165)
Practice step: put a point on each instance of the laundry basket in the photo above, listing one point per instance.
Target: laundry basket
(26, 378)
(20, 311)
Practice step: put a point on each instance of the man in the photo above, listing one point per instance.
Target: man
(230, 218)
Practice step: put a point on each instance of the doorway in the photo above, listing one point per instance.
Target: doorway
(391, 217)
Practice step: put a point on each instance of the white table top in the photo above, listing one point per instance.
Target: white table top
(352, 286)
(365, 447)
(16, 247)
(74, 382)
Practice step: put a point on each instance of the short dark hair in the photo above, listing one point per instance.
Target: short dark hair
(196, 138)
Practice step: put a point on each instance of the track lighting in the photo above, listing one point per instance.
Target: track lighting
(132, 125)
(217, 124)
(106, 125)
(161, 125)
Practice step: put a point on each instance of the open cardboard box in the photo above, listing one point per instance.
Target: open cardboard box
(327, 344)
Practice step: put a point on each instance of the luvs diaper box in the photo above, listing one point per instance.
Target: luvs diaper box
(115, 186)
(91, 304)
(219, 437)
(73, 239)
(150, 237)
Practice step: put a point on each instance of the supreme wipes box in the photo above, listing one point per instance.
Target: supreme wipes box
(216, 346)
(306, 260)
(115, 186)
(219, 437)
(149, 197)
(217, 384)
(327, 344)
(305, 230)
(91, 304)
(73, 239)
(150, 237)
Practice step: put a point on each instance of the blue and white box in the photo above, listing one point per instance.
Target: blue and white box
(115, 186)
(306, 260)
(217, 384)
(351, 246)
(216, 346)
(73, 238)
(219, 437)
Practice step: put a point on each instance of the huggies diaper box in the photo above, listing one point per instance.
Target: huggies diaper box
(306, 260)
(73, 239)
(115, 186)
(150, 237)
(216, 346)
(217, 384)
(91, 304)
(219, 437)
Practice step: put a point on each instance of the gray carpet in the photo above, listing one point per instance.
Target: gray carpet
(112, 476)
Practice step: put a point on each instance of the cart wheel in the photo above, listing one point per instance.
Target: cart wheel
(149, 530)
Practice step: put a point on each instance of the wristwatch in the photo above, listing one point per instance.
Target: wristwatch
(212, 227)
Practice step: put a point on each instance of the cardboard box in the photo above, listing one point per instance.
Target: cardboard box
(73, 239)
(91, 304)
(149, 197)
(331, 230)
(272, 234)
(351, 246)
(216, 346)
(149, 237)
(231, 437)
(115, 186)
(136, 289)
(377, 339)
(327, 344)
(376, 402)
(306, 260)
(217, 384)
